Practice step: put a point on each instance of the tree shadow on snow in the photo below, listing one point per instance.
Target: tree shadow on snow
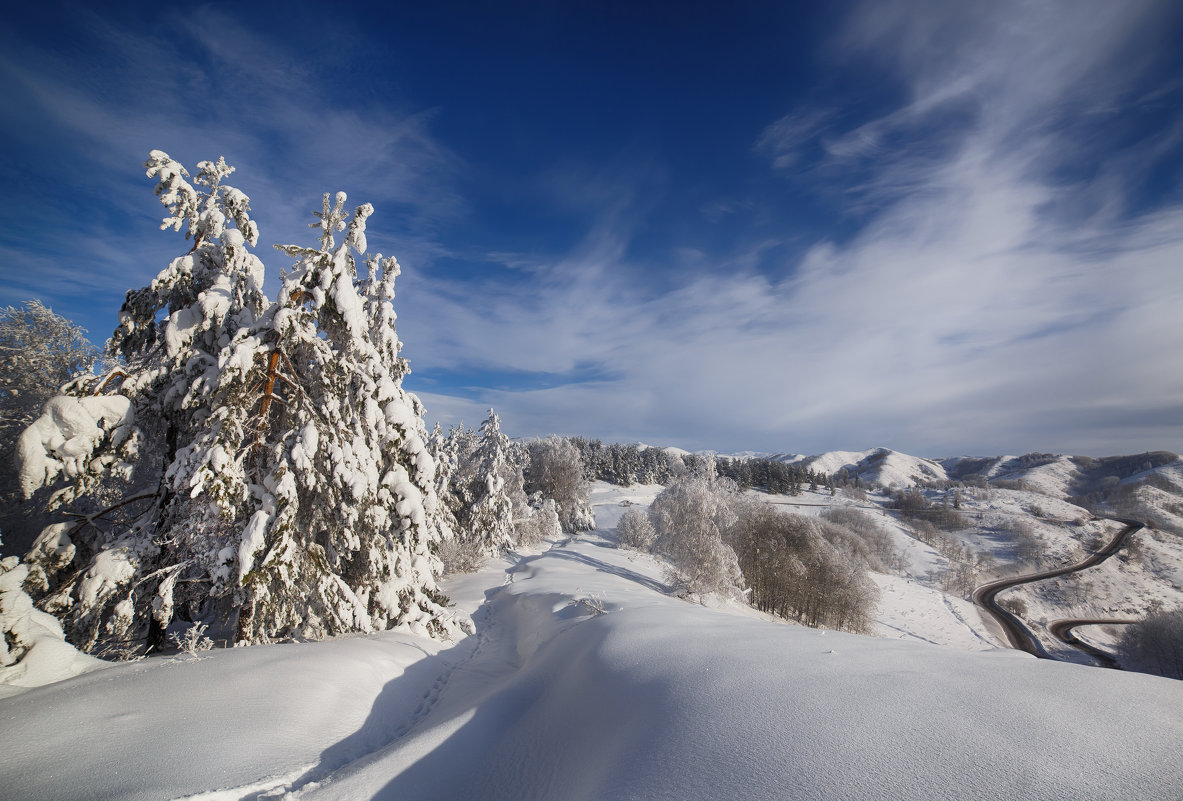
(519, 742)
(615, 570)
(401, 704)
(492, 678)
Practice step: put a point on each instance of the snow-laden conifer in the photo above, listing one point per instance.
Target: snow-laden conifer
(444, 452)
(491, 515)
(120, 441)
(345, 511)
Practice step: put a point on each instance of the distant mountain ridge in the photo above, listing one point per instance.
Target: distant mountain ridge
(1053, 474)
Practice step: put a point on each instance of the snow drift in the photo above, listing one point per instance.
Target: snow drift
(585, 681)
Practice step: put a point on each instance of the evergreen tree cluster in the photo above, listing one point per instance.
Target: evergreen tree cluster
(250, 462)
(498, 494)
(625, 465)
(772, 476)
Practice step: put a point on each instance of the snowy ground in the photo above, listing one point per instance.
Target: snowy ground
(650, 698)
(910, 611)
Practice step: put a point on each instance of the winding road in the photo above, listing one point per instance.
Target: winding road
(1017, 633)
(1062, 631)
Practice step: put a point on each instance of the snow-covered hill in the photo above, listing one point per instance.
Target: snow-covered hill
(585, 680)
(880, 466)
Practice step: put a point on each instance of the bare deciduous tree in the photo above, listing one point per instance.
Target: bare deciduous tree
(40, 351)
(635, 531)
(556, 471)
(1155, 644)
(795, 570)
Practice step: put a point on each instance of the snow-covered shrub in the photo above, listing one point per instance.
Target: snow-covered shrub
(537, 521)
(461, 556)
(193, 641)
(1154, 644)
(1014, 605)
(688, 519)
(592, 603)
(635, 531)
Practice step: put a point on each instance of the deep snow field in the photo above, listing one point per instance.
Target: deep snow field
(586, 681)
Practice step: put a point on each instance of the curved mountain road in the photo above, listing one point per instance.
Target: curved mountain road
(1062, 631)
(1017, 633)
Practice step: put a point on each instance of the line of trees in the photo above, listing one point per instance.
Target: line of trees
(931, 522)
(774, 477)
(625, 465)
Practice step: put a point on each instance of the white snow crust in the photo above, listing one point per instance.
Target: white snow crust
(33, 648)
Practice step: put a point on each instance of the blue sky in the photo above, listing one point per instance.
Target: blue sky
(939, 227)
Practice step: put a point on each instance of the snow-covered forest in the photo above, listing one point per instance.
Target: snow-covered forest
(463, 614)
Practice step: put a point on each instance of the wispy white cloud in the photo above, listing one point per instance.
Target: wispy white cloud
(990, 300)
(783, 141)
(930, 340)
(964, 316)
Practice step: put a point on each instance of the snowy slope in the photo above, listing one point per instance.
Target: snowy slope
(654, 698)
(911, 611)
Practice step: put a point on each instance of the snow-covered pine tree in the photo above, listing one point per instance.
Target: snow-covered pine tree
(443, 453)
(110, 574)
(490, 512)
(461, 485)
(346, 514)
